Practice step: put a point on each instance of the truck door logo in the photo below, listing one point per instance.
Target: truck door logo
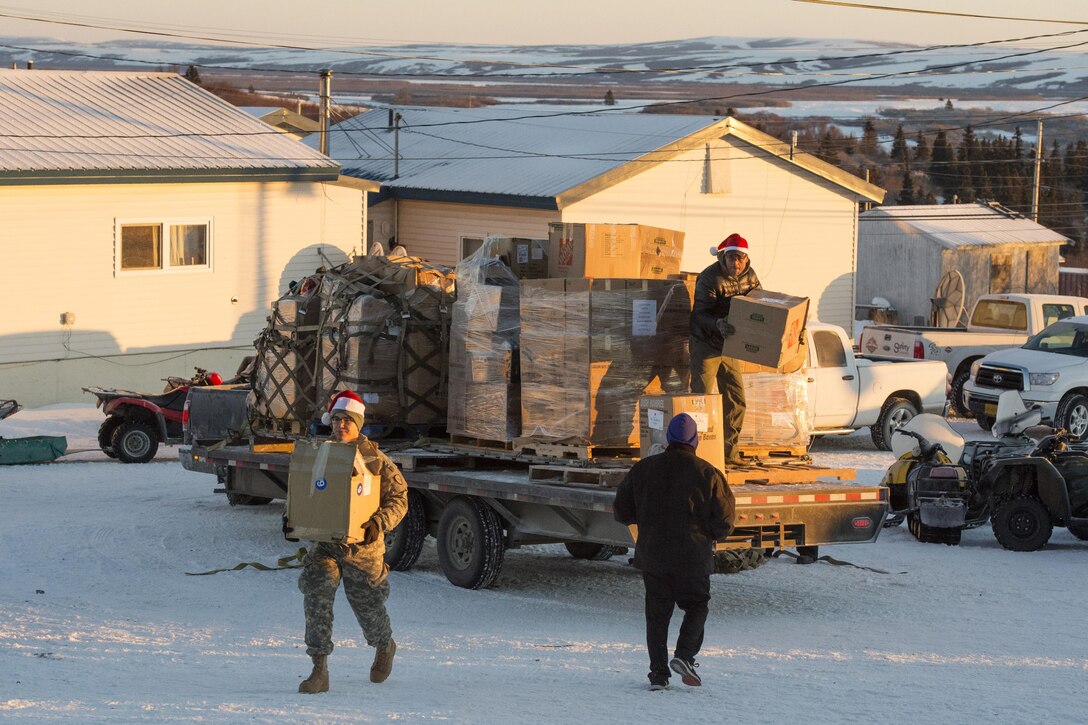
(871, 345)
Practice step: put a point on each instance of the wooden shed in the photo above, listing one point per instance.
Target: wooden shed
(905, 251)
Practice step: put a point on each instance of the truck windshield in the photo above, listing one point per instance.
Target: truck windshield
(1064, 338)
(1002, 314)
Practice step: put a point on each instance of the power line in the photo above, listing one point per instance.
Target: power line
(863, 6)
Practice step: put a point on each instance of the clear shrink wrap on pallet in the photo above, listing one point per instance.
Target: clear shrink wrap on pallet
(590, 348)
(484, 390)
(777, 411)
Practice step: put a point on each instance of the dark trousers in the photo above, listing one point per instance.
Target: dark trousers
(663, 593)
(712, 373)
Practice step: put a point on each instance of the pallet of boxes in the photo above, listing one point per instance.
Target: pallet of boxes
(379, 326)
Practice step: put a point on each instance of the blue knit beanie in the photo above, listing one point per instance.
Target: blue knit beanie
(682, 429)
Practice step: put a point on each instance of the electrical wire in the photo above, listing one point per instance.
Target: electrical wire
(892, 8)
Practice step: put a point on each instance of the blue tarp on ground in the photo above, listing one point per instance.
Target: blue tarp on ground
(33, 449)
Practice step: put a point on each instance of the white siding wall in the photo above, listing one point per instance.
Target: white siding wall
(802, 229)
(433, 230)
(58, 246)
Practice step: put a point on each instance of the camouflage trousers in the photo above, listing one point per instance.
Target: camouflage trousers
(325, 565)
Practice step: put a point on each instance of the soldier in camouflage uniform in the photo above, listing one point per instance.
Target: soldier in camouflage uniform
(711, 372)
(361, 565)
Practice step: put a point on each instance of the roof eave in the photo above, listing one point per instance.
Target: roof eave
(145, 176)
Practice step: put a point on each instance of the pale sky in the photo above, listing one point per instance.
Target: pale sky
(540, 22)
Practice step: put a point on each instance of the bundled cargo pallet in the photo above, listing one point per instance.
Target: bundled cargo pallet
(777, 411)
(484, 386)
(590, 348)
(378, 326)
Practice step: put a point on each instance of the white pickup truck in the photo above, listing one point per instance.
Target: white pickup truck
(846, 392)
(997, 322)
(1050, 370)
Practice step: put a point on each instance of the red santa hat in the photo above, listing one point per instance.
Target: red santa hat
(348, 402)
(732, 243)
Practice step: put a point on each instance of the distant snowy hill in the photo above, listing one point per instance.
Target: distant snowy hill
(779, 61)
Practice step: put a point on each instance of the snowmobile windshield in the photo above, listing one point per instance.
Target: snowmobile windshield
(1064, 338)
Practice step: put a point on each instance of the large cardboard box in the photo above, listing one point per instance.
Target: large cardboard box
(769, 327)
(613, 250)
(326, 499)
(526, 258)
(655, 412)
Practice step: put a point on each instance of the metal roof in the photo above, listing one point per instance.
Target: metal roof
(501, 155)
(953, 226)
(69, 126)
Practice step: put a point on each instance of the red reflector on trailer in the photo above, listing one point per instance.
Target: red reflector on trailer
(862, 522)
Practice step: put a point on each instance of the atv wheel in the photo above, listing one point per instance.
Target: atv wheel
(932, 534)
(985, 422)
(1022, 524)
(105, 434)
(894, 415)
(1072, 415)
(594, 552)
(733, 561)
(134, 442)
(1081, 532)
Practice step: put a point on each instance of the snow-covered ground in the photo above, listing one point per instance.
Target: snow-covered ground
(99, 623)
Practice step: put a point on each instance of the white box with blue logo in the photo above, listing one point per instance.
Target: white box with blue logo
(330, 492)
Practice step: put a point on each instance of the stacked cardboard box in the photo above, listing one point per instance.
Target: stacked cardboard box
(777, 410)
(484, 392)
(590, 348)
(525, 258)
(613, 250)
(655, 412)
(769, 328)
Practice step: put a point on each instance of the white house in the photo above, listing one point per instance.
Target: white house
(449, 177)
(147, 226)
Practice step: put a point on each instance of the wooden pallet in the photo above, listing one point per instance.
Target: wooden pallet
(468, 442)
(596, 477)
(767, 452)
(575, 452)
(413, 459)
(798, 473)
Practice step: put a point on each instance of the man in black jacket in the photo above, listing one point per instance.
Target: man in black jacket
(731, 275)
(681, 505)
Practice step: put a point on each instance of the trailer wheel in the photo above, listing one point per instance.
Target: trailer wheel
(404, 543)
(105, 434)
(1022, 524)
(244, 499)
(470, 545)
(134, 442)
(894, 415)
(594, 552)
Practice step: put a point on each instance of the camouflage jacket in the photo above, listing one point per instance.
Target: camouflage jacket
(713, 291)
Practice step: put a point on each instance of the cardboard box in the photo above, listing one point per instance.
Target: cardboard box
(613, 250)
(655, 412)
(769, 327)
(326, 501)
(526, 258)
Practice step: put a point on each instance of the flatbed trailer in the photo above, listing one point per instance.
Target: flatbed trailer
(476, 513)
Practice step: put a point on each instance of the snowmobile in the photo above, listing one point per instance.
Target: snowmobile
(934, 483)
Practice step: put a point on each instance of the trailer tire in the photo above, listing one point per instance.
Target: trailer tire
(404, 543)
(733, 561)
(105, 434)
(470, 545)
(244, 499)
(593, 552)
(1022, 524)
(134, 442)
(895, 413)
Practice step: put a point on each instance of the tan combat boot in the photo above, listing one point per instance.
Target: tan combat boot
(318, 681)
(383, 662)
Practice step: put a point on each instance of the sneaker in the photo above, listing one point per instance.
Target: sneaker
(383, 662)
(658, 682)
(686, 670)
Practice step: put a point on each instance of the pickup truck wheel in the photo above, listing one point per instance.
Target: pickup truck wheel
(895, 414)
(593, 552)
(134, 442)
(1081, 532)
(959, 406)
(105, 434)
(1022, 524)
(1072, 415)
(404, 543)
(470, 546)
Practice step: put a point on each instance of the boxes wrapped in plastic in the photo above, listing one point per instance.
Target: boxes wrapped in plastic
(590, 348)
(777, 410)
(484, 391)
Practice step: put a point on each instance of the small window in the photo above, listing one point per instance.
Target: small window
(469, 245)
(164, 245)
(1053, 313)
(1002, 314)
(829, 350)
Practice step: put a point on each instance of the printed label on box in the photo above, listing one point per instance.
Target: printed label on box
(538, 251)
(701, 420)
(523, 254)
(566, 252)
(656, 419)
(643, 318)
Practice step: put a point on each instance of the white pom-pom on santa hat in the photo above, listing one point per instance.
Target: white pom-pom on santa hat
(732, 243)
(348, 402)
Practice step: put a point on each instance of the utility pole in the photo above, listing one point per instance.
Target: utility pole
(326, 109)
(1038, 173)
(396, 145)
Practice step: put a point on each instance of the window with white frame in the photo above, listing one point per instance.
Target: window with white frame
(145, 246)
